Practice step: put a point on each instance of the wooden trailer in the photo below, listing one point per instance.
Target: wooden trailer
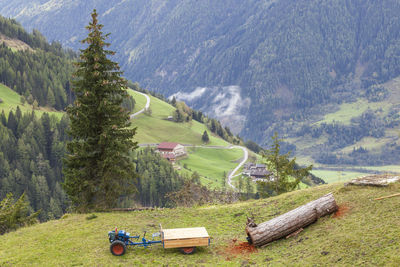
(187, 239)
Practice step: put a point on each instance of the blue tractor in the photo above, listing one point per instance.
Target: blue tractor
(121, 239)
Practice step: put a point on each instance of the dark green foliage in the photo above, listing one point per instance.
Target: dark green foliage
(253, 146)
(376, 93)
(205, 137)
(157, 179)
(284, 175)
(98, 168)
(287, 56)
(182, 112)
(3, 118)
(225, 133)
(173, 101)
(15, 214)
(40, 75)
(31, 150)
(129, 103)
(12, 29)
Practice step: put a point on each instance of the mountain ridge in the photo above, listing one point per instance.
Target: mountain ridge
(285, 57)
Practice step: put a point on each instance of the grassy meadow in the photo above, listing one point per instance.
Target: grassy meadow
(155, 128)
(347, 111)
(12, 99)
(331, 176)
(211, 164)
(365, 233)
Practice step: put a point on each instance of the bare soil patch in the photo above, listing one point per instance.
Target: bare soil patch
(238, 248)
(343, 209)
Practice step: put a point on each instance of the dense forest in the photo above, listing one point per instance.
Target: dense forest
(305, 47)
(290, 61)
(40, 74)
(31, 152)
(33, 146)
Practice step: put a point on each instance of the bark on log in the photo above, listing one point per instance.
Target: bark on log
(291, 221)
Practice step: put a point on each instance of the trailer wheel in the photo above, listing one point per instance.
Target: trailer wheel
(189, 250)
(118, 248)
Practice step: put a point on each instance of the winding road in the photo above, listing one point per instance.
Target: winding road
(145, 107)
(231, 174)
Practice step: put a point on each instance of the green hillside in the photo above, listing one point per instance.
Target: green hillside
(151, 129)
(362, 134)
(365, 232)
(32, 67)
(294, 60)
(11, 100)
(212, 165)
(155, 128)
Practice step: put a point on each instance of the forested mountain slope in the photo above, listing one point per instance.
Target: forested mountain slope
(266, 61)
(32, 67)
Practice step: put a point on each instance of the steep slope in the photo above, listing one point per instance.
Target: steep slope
(34, 68)
(363, 232)
(260, 66)
(155, 128)
(11, 99)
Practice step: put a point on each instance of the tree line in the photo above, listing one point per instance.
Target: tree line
(41, 76)
(31, 153)
(184, 113)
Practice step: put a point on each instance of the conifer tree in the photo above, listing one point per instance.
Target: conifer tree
(285, 176)
(205, 137)
(14, 214)
(98, 168)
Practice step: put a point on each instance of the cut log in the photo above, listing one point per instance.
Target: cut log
(375, 180)
(290, 222)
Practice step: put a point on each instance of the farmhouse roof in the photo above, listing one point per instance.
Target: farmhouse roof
(167, 145)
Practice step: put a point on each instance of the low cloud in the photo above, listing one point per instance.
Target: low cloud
(198, 92)
(224, 103)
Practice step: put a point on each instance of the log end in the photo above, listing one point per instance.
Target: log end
(250, 222)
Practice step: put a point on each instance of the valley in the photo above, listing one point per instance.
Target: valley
(218, 114)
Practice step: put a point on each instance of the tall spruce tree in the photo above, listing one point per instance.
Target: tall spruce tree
(98, 168)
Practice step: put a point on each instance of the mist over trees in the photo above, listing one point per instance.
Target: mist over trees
(286, 56)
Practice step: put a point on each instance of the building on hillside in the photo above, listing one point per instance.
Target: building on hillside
(171, 151)
(258, 172)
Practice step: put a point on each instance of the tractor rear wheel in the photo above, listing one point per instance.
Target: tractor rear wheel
(189, 250)
(118, 248)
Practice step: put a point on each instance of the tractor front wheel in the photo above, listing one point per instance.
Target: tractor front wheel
(118, 248)
(189, 250)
